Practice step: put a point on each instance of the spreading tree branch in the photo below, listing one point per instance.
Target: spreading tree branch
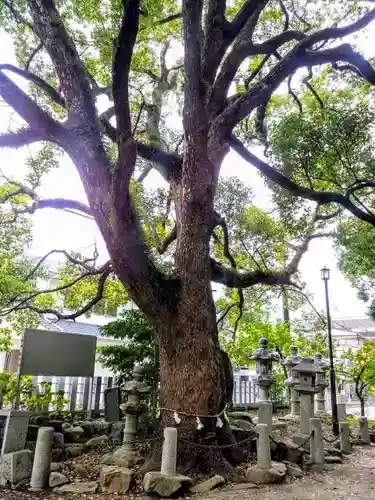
(120, 87)
(40, 122)
(322, 197)
(46, 87)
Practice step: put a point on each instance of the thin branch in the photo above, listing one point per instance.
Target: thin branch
(98, 296)
(172, 236)
(17, 15)
(37, 49)
(60, 288)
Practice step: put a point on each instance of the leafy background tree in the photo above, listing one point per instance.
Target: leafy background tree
(360, 370)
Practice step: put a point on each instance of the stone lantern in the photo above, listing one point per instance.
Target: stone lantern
(264, 358)
(321, 382)
(303, 379)
(289, 362)
(135, 389)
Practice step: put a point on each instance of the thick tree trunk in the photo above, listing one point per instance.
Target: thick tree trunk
(362, 401)
(193, 384)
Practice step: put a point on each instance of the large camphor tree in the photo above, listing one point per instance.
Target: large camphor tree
(234, 60)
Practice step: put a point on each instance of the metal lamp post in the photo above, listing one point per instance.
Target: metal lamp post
(325, 275)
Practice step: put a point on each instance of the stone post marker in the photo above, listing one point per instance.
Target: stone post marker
(291, 361)
(364, 432)
(303, 379)
(264, 358)
(263, 446)
(321, 382)
(169, 452)
(345, 445)
(42, 459)
(135, 390)
(265, 414)
(316, 442)
(341, 412)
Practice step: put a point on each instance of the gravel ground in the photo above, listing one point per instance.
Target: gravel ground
(354, 478)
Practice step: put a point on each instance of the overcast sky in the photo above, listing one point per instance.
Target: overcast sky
(55, 229)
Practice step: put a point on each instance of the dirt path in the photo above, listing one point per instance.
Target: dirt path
(354, 478)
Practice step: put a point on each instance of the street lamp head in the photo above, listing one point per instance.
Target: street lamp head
(325, 273)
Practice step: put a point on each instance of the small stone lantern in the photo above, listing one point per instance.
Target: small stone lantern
(289, 362)
(135, 390)
(264, 358)
(304, 378)
(321, 382)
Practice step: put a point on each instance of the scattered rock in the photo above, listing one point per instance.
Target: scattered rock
(165, 486)
(75, 450)
(117, 432)
(242, 415)
(107, 459)
(57, 479)
(244, 424)
(40, 420)
(57, 425)
(208, 485)
(275, 474)
(74, 435)
(88, 428)
(32, 432)
(241, 434)
(80, 470)
(77, 487)
(58, 438)
(55, 467)
(293, 454)
(97, 441)
(279, 426)
(333, 460)
(293, 470)
(124, 458)
(102, 426)
(115, 479)
(334, 452)
(244, 486)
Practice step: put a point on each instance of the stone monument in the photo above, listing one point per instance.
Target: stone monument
(289, 362)
(303, 380)
(135, 389)
(264, 358)
(322, 382)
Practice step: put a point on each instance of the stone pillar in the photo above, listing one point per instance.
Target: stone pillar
(265, 414)
(306, 412)
(321, 402)
(169, 452)
(294, 403)
(135, 390)
(42, 459)
(345, 445)
(263, 393)
(364, 432)
(316, 442)
(130, 431)
(263, 447)
(341, 412)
